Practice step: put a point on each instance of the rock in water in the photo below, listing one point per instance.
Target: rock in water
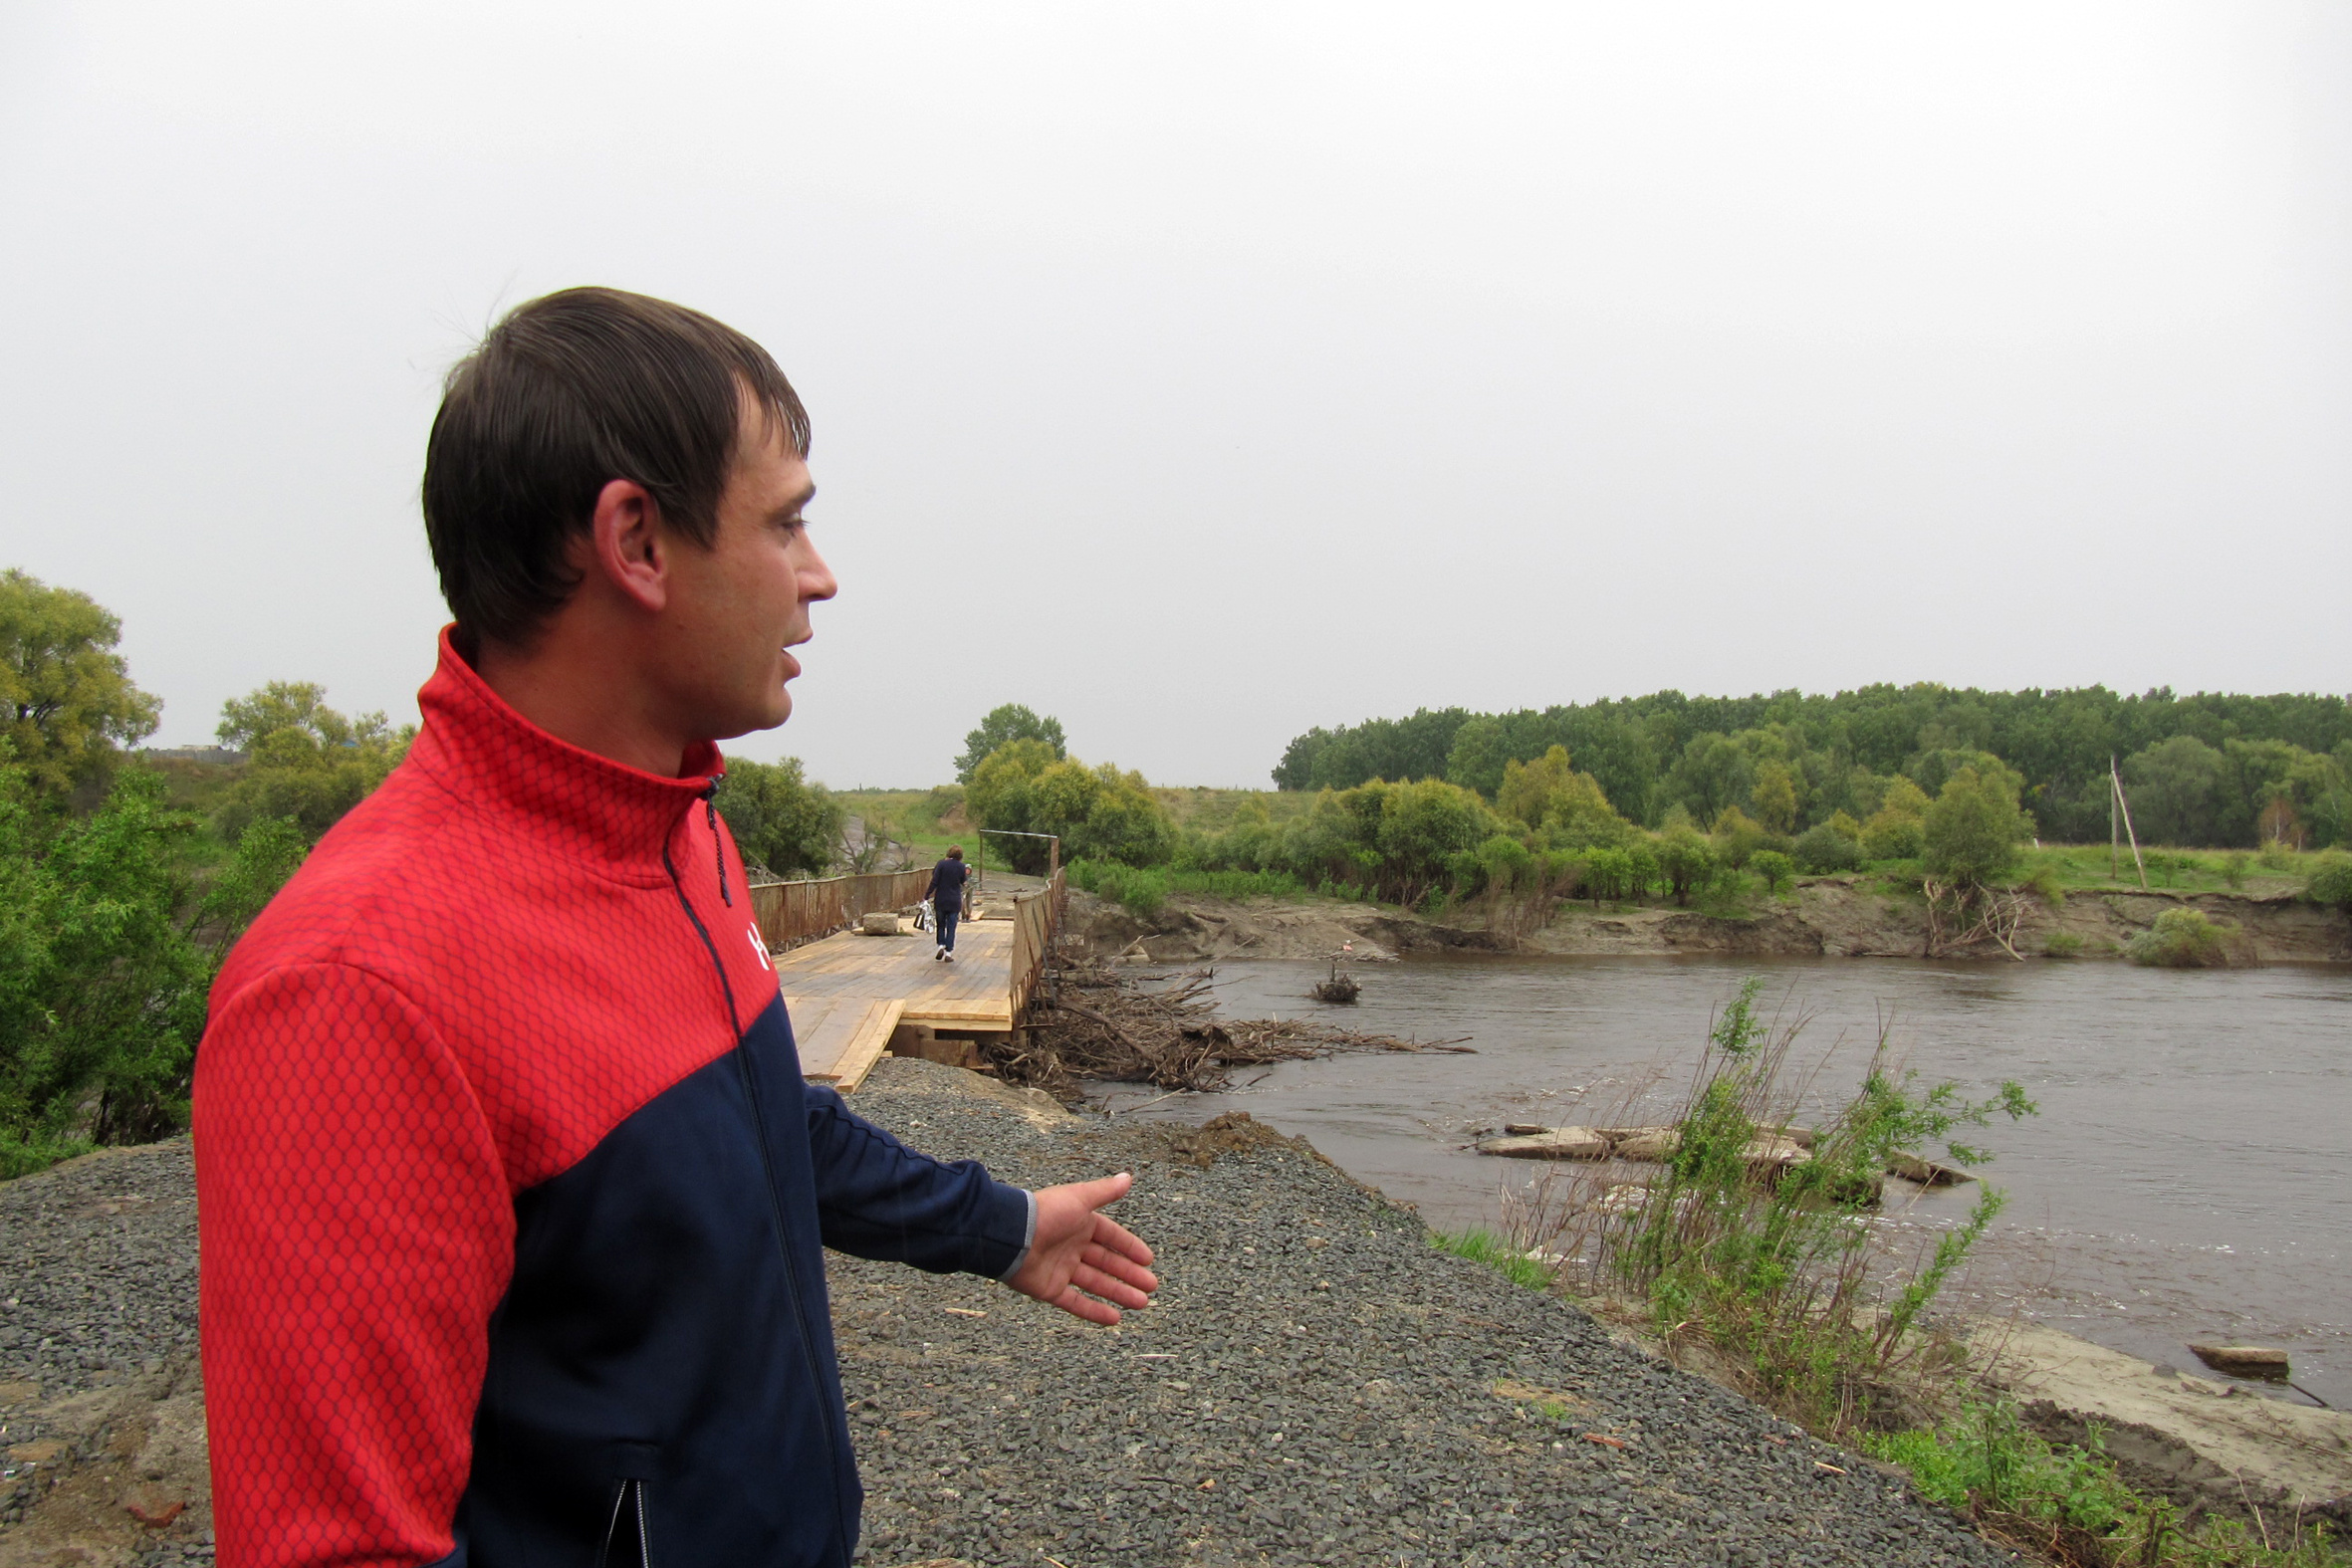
(2246, 1361)
(1927, 1172)
(1646, 1142)
(1770, 1153)
(1550, 1143)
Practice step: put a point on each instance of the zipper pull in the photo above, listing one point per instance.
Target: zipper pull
(710, 816)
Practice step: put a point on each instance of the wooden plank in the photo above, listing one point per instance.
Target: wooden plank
(866, 1046)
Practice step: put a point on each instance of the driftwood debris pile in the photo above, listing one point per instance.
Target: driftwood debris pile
(1091, 1022)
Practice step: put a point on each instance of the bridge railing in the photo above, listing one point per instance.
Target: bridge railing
(1036, 917)
(790, 913)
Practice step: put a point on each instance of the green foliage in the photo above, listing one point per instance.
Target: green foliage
(1774, 867)
(67, 702)
(2182, 939)
(1821, 850)
(1001, 728)
(1100, 814)
(1758, 1254)
(107, 947)
(1686, 860)
(2288, 759)
(1569, 807)
(2330, 882)
(779, 818)
(1738, 838)
(1974, 828)
(1774, 796)
(2062, 945)
(1986, 1462)
(306, 762)
(1890, 836)
(1137, 889)
(1485, 1246)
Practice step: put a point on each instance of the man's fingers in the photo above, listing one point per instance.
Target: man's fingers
(1077, 1304)
(1119, 1267)
(1095, 1282)
(1109, 1233)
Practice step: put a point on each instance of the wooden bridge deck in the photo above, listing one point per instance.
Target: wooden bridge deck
(848, 992)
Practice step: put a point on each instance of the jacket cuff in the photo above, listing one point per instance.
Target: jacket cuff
(1029, 1233)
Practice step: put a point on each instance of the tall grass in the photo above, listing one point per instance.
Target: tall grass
(1766, 1257)
(1142, 890)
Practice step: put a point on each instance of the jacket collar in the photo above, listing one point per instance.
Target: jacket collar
(591, 807)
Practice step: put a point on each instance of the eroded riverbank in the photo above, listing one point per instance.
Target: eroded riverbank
(1824, 917)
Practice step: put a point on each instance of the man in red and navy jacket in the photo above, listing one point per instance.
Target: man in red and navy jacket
(513, 1196)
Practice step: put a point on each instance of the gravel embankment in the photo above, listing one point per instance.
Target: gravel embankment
(1316, 1385)
(100, 1405)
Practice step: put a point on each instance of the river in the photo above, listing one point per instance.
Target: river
(2185, 1180)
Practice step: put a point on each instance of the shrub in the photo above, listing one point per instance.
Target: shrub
(1738, 838)
(1686, 860)
(1138, 891)
(1973, 829)
(1893, 835)
(1774, 867)
(2234, 867)
(2062, 945)
(2182, 939)
(779, 818)
(1822, 850)
(2331, 882)
(2277, 855)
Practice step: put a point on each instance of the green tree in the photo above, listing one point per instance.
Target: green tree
(1775, 797)
(1098, 813)
(1738, 838)
(67, 701)
(1686, 860)
(306, 762)
(2181, 791)
(1712, 772)
(779, 818)
(1774, 867)
(1821, 850)
(1549, 793)
(106, 953)
(1973, 829)
(1001, 728)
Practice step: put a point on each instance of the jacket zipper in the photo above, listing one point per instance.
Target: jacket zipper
(750, 1090)
(629, 1492)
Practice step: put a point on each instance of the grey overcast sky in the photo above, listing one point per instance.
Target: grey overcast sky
(1203, 372)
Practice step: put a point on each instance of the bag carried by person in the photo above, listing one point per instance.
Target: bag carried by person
(923, 915)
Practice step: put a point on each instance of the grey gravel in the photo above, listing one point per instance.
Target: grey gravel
(1315, 1383)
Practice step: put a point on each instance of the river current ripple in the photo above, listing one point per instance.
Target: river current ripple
(2187, 1177)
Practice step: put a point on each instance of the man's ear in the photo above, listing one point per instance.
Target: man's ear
(627, 544)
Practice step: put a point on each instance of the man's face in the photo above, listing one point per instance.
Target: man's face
(741, 604)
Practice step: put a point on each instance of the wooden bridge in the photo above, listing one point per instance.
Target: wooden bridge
(849, 992)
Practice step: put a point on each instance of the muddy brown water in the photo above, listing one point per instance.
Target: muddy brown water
(2186, 1180)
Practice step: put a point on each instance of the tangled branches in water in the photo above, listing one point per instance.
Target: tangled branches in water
(1089, 1021)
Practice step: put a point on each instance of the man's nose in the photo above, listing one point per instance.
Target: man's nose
(816, 578)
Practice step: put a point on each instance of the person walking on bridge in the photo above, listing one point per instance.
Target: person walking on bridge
(947, 900)
(514, 1199)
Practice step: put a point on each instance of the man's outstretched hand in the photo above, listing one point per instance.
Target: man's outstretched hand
(1079, 1255)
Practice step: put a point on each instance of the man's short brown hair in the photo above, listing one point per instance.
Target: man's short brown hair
(566, 394)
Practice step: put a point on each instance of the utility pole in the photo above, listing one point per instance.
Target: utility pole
(2122, 803)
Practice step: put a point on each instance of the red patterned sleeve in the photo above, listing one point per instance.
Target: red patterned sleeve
(357, 1231)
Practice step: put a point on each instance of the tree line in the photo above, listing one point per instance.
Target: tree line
(2212, 770)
